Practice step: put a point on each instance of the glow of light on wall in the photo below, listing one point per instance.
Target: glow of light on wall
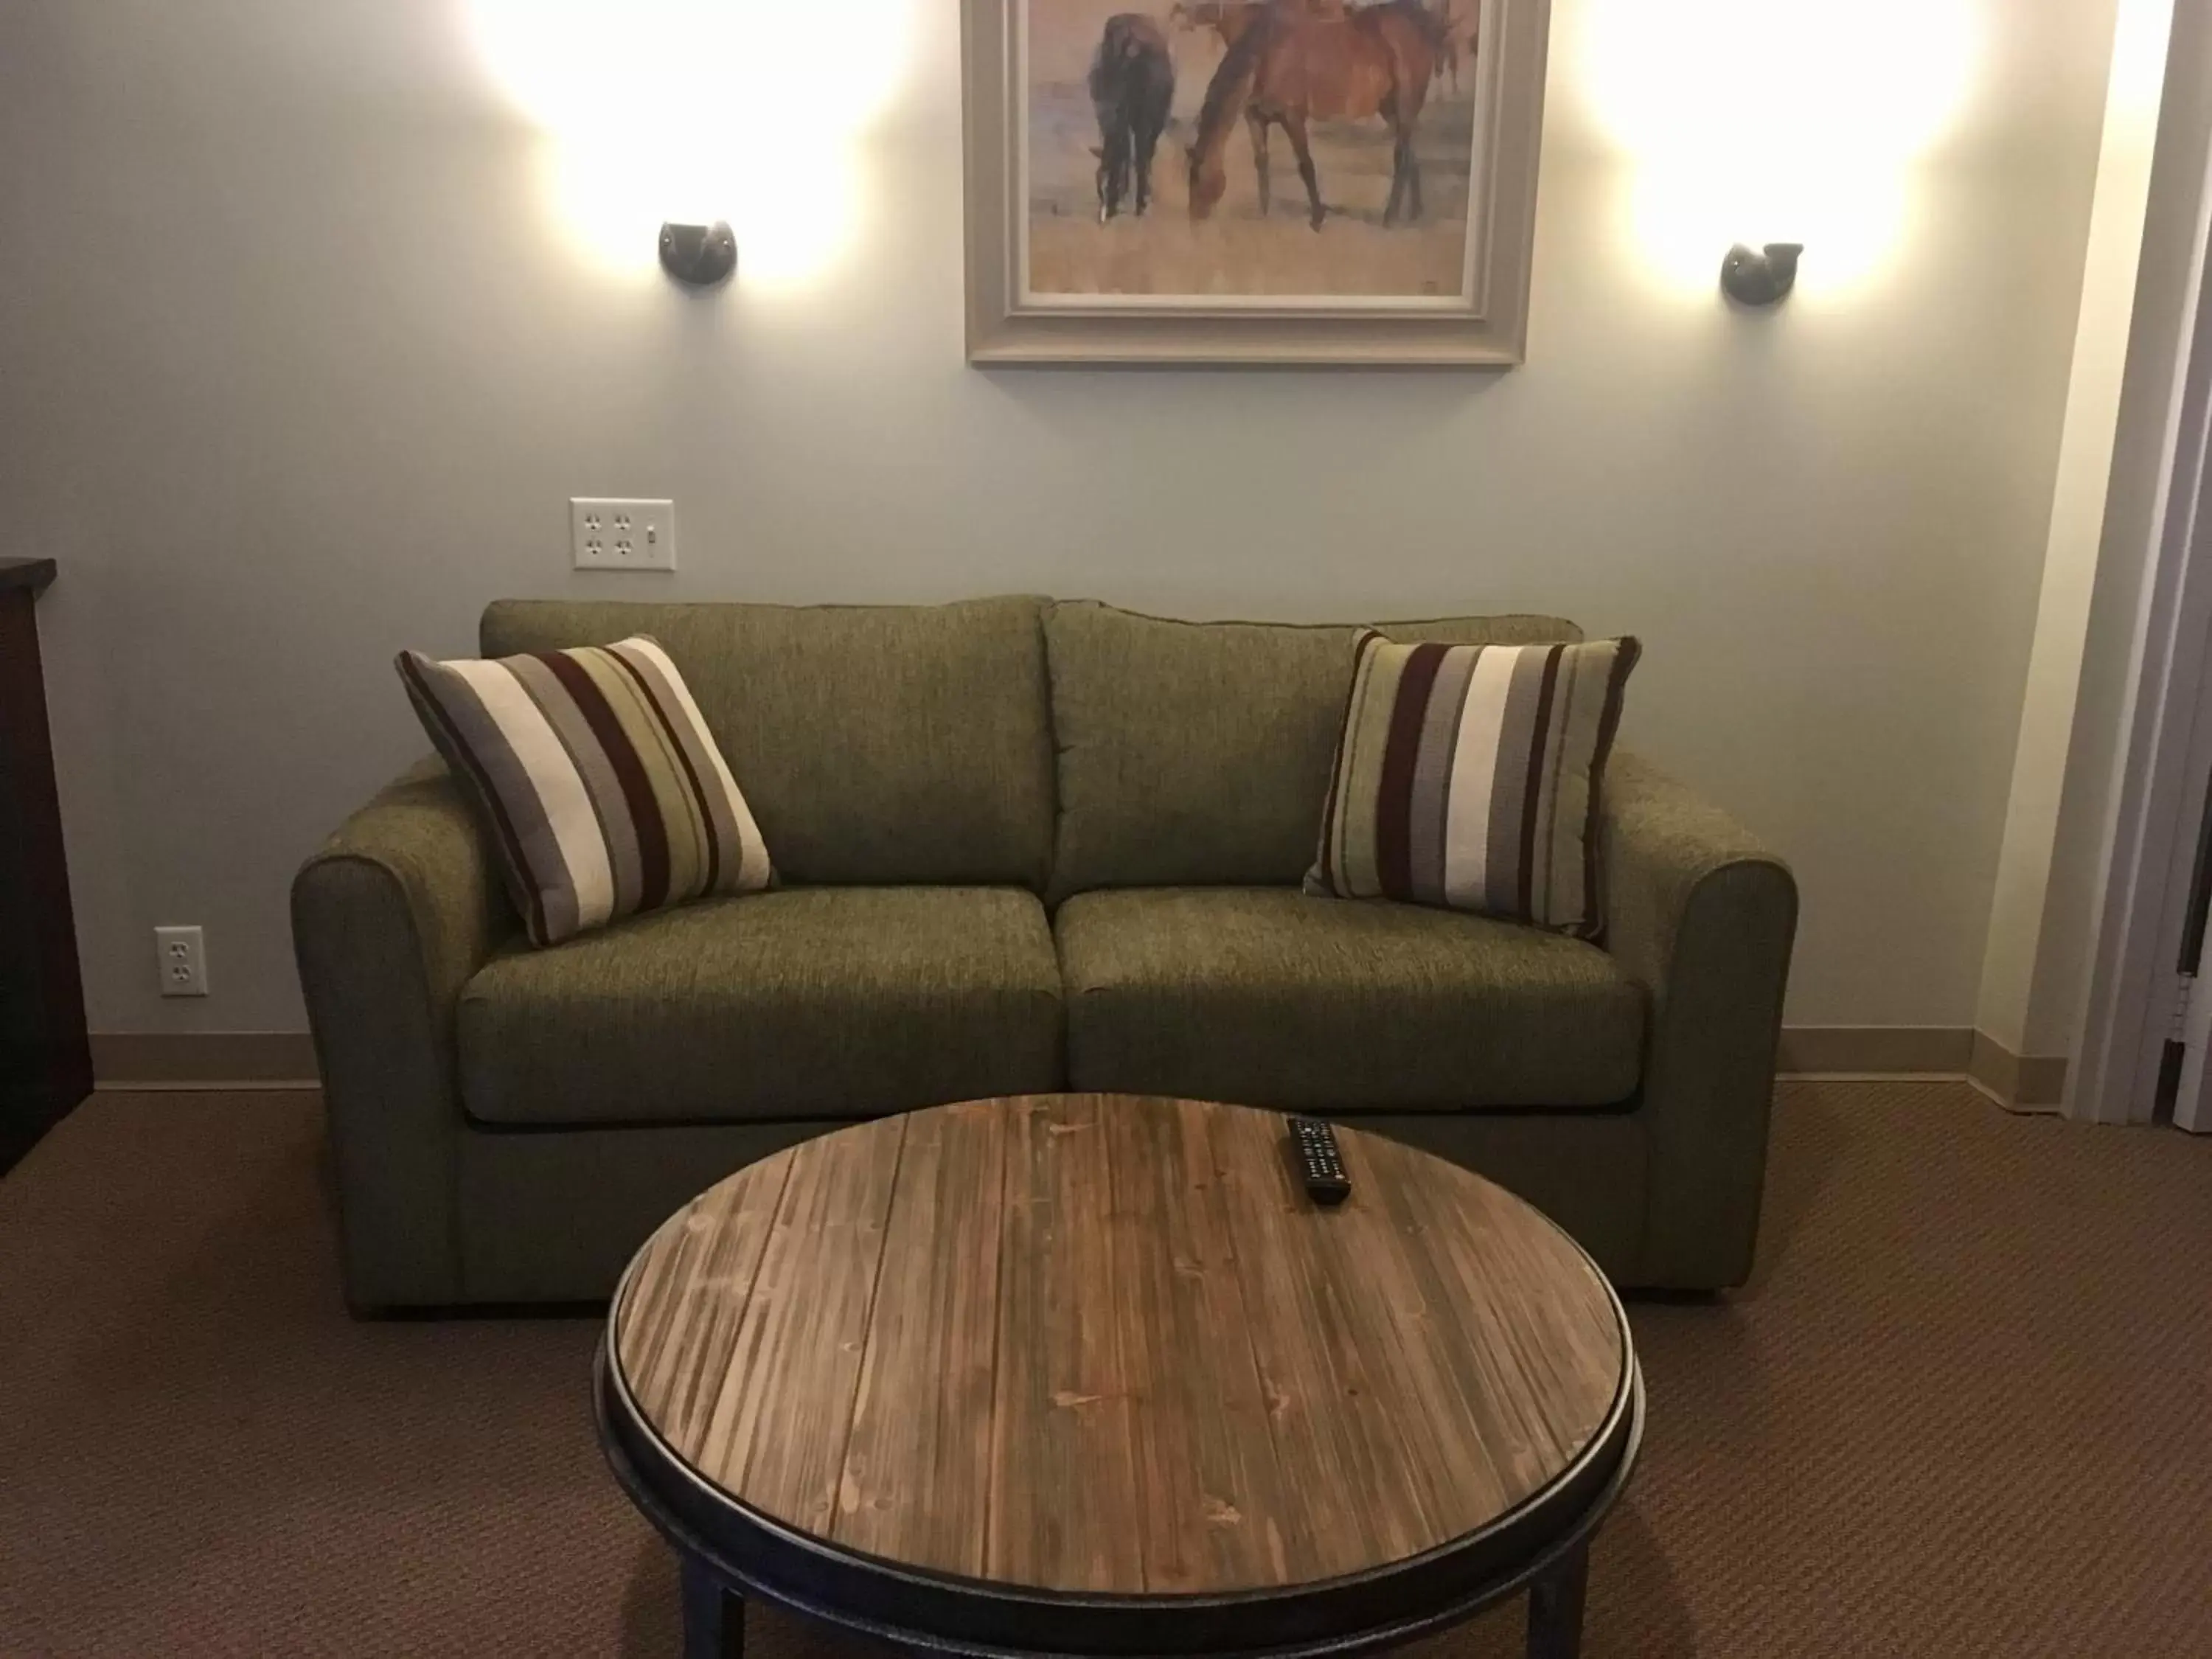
(698, 110)
(1776, 120)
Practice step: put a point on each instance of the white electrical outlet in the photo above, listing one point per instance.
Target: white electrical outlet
(610, 535)
(182, 953)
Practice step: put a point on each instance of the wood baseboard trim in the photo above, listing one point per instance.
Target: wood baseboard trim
(286, 1059)
(2020, 1083)
(1875, 1051)
(204, 1059)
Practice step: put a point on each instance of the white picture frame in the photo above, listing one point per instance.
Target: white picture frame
(1013, 319)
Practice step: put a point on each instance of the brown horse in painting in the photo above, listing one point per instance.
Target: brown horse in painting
(1288, 68)
(1230, 19)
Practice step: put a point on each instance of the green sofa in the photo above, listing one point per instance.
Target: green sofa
(1024, 846)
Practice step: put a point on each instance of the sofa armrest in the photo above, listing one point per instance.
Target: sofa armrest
(389, 920)
(1703, 916)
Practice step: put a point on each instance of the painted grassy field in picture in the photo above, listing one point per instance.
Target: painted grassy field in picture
(1225, 101)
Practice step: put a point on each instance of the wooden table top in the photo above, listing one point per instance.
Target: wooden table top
(1104, 1343)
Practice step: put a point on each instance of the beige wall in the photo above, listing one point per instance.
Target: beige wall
(297, 366)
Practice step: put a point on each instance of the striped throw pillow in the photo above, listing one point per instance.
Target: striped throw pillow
(1467, 776)
(602, 788)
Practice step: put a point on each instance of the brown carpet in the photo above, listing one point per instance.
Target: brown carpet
(1965, 1408)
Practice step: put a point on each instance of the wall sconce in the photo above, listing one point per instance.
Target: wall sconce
(699, 256)
(1762, 279)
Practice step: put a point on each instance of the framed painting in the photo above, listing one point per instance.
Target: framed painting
(1251, 181)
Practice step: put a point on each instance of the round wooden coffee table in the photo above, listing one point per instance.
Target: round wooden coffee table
(1088, 1375)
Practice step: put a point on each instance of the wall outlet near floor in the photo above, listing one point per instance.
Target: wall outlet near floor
(182, 952)
(612, 535)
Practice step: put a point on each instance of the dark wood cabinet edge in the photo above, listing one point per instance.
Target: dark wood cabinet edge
(48, 1071)
(33, 573)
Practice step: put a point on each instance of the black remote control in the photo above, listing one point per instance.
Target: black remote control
(1313, 1146)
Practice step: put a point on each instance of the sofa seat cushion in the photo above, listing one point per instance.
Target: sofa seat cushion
(1268, 997)
(804, 1003)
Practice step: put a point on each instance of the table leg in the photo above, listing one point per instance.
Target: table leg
(1555, 1607)
(713, 1615)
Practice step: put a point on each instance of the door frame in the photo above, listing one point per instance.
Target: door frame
(2164, 764)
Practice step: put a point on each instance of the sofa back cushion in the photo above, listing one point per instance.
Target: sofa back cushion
(1197, 754)
(877, 744)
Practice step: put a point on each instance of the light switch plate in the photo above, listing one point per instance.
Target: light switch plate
(622, 535)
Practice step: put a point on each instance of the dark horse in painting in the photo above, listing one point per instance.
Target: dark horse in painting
(1290, 68)
(1131, 87)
